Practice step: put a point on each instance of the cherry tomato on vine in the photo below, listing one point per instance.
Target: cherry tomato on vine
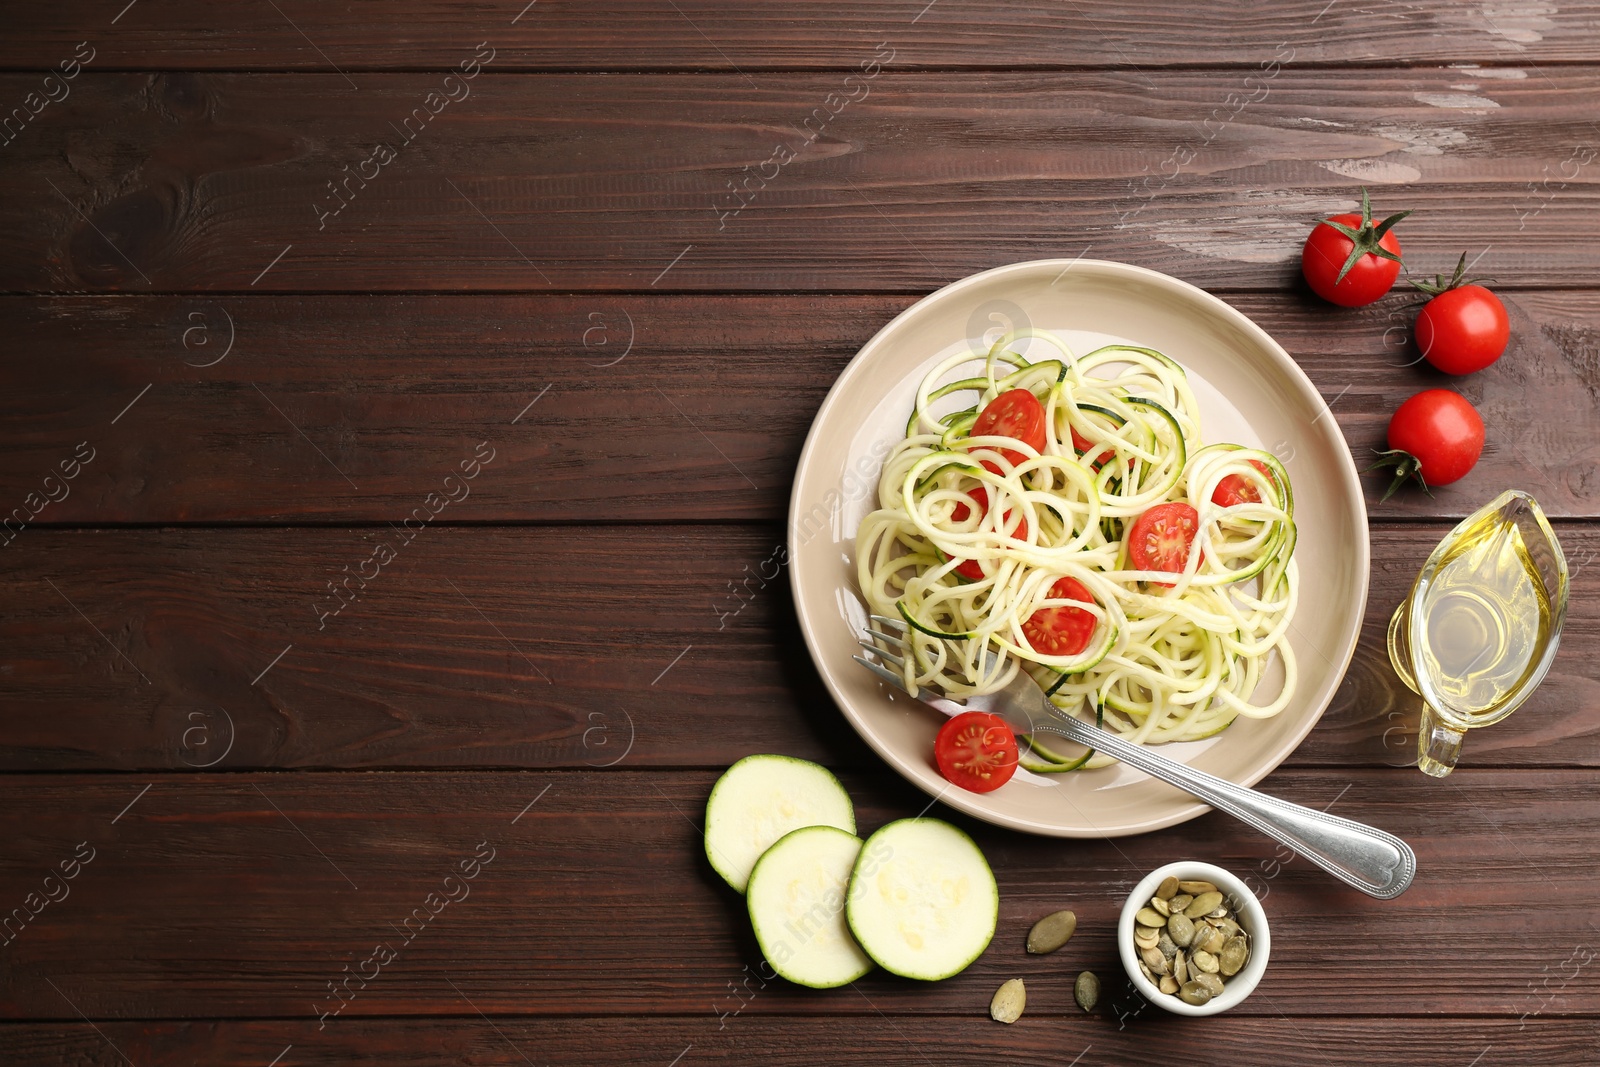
(1017, 414)
(1464, 328)
(1435, 437)
(1159, 539)
(976, 751)
(1350, 261)
(1061, 631)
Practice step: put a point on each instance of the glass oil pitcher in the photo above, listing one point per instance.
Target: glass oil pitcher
(1480, 627)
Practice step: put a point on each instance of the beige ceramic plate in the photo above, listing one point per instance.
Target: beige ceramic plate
(1249, 392)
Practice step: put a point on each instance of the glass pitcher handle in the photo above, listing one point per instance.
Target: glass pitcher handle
(1438, 744)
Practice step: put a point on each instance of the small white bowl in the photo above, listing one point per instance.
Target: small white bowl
(1247, 909)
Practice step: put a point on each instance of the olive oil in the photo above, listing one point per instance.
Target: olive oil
(1481, 625)
(1485, 617)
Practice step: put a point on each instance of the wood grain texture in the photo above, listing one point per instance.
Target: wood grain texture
(194, 182)
(722, 35)
(246, 894)
(664, 635)
(658, 408)
(1047, 1036)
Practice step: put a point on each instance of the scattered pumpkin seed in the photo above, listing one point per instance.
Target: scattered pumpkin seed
(1181, 929)
(1203, 905)
(1196, 887)
(1051, 932)
(1150, 917)
(1008, 1002)
(1169, 887)
(1086, 990)
(1195, 993)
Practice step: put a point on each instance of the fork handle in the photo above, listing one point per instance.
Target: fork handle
(1374, 861)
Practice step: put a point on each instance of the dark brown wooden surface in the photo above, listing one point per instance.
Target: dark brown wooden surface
(543, 277)
(564, 182)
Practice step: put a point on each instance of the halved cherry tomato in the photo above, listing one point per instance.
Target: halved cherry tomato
(1062, 631)
(971, 569)
(1159, 540)
(976, 751)
(1015, 413)
(1237, 489)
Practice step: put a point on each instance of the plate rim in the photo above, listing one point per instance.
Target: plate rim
(971, 803)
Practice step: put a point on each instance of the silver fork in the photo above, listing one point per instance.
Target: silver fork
(1374, 861)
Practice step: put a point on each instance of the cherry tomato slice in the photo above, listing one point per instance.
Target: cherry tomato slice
(976, 751)
(1060, 631)
(1017, 414)
(971, 569)
(1159, 540)
(1237, 489)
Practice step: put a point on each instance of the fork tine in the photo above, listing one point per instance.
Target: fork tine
(897, 624)
(882, 672)
(887, 657)
(889, 639)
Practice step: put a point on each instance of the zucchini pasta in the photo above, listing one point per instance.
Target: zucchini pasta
(1063, 517)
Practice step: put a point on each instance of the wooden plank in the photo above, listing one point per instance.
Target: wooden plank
(726, 35)
(351, 409)
(1047, 1036)
(248, 894)
(158, 649)
(194, 182)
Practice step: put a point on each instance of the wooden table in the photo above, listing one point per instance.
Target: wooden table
(386, 514)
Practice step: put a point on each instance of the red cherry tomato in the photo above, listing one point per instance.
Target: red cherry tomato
(1351, 261)
(976, 751)
(1463, 330)
(1436, 434)
(1237, 489)
(1159, 540)
(1061, 631)
(971, 569)
(1017, 414)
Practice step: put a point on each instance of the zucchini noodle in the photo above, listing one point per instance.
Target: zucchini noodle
(1173, 656)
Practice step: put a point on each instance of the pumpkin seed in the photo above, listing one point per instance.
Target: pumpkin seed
(1153, 959)
(1206, 962)
(1160, 905)
(1169, 984)
(1150, 917)
(1194, 993)
(1181, 929)
(1086, 990)
(1179, 902)
(1008, 1002)
(1180, 968)
(1234, 955)
(1145, 937)
(1213, 941)
(1167, 946)
(1210, 981)
(1202, 905)
(1051, 932)
(1146, 971)
(1196, 887)
(1169, 886)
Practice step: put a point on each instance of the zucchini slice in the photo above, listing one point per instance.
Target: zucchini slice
(796, 898)
(760, 799)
